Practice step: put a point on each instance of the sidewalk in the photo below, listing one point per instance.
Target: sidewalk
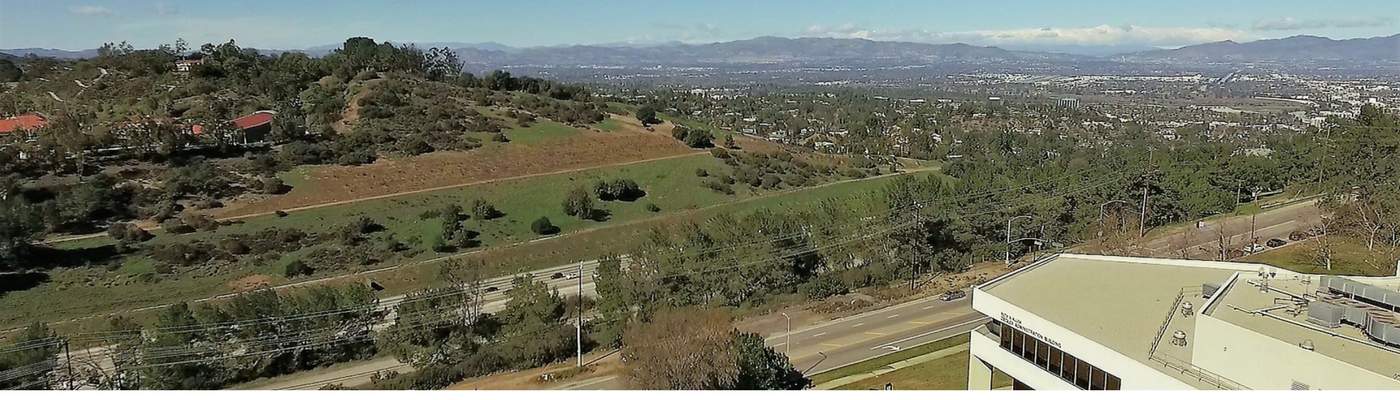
(839, 382)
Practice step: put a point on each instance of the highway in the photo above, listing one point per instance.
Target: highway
(1203, 243)
(493, 301)
(825, 346)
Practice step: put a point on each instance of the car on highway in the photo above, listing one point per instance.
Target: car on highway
(1275, 242)
(952, 295)
(557, 275)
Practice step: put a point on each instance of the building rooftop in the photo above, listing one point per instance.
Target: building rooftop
(1278, 313)
(1133, 306)
(1119, 302)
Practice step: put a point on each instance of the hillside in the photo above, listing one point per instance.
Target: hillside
(1292, 48)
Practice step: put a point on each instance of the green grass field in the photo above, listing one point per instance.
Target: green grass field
(540, 132)
(1350, 257)
(505, 241)
(945, 373)
(887, 359)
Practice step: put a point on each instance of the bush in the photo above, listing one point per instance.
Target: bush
(542, 226)
(578, 203)
(720, 187)
(297, 268)
(678, 132)
(653, 208)
(199, 221)
(647, 114)
(234, 245)
(720, 153)
(825, 286)
(619, 189)
(174, 225)
(701, 172)
(128, 233)
(482, 210)
(272, 185)
(698, 139)
(499, 137)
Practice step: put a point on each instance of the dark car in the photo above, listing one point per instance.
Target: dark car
(490, 289)
(557, 275)
(1297, 235)
(953, 295)
(1275, 242)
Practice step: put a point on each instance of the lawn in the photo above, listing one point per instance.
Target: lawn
(945, 373)
(887, 359)
(1350, 257)
(506, 242)
(542, 131)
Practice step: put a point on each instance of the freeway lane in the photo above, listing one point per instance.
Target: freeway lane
(837, 343)
(849, 340)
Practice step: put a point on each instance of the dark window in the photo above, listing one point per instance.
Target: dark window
(1056, 361)
(1081, 375)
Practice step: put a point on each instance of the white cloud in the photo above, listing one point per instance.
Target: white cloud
(1293, 24)
(90, 10)
(1102, 35)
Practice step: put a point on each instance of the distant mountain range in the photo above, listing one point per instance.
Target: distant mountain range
(831, 51)
(1294, 48)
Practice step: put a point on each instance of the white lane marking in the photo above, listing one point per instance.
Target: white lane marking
(858, 324)
(892, 316)
(819, 334)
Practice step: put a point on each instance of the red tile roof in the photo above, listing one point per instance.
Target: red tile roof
(26, 122)
(254, 120)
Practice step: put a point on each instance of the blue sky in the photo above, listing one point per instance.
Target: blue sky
(1008, 23)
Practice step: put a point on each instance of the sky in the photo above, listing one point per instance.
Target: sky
(293, 24)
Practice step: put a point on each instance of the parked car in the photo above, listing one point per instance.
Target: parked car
(1297, 235)
(1275, 242)
(953, 295)
(1255, 248)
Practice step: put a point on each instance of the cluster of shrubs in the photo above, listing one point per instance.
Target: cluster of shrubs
(618, 189)
(695, 138)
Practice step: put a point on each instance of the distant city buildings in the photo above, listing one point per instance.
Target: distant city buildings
(1067, 102)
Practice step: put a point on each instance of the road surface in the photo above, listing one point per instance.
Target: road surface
(837, 343)
(1203, 243)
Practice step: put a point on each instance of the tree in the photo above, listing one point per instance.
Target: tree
(9, 72)
(699, 139)
(763, 368)
(542, 226)
(681, 349)
(579, 203)
(20, 226)
(647, 114)
(32, 355)
(482, 210)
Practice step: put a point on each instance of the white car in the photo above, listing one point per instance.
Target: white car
(1255, 248)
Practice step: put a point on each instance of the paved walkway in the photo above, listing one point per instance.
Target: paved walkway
(843, 381)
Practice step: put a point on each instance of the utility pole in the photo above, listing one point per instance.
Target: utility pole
(1253, 235)
(578, 324)
(68, 356)
(1142, 220)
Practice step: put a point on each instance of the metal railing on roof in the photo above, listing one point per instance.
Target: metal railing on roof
(1183, 366)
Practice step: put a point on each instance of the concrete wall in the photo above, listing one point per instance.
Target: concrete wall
(1242, 355)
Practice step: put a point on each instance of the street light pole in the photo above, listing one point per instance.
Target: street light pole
(578, 324)
(1008, 235)
(787, 337)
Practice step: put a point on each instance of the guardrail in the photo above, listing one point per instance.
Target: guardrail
(1183, 366)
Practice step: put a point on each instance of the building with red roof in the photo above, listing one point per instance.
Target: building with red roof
(255, 126)
(23, 123)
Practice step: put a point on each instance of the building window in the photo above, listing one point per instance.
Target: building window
(1057, 362)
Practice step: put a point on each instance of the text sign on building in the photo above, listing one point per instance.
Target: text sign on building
(1016, 323)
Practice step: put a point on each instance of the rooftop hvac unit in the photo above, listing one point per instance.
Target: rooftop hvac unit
(1325, 314)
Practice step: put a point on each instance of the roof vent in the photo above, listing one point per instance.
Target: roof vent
(1307, 345)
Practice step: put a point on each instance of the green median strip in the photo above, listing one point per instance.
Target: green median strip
(885, 360)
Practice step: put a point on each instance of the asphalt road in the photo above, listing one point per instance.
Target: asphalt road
(493, 301)
(837, 343)
(1203, 243)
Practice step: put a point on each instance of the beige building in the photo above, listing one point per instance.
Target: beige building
(1099, 322)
